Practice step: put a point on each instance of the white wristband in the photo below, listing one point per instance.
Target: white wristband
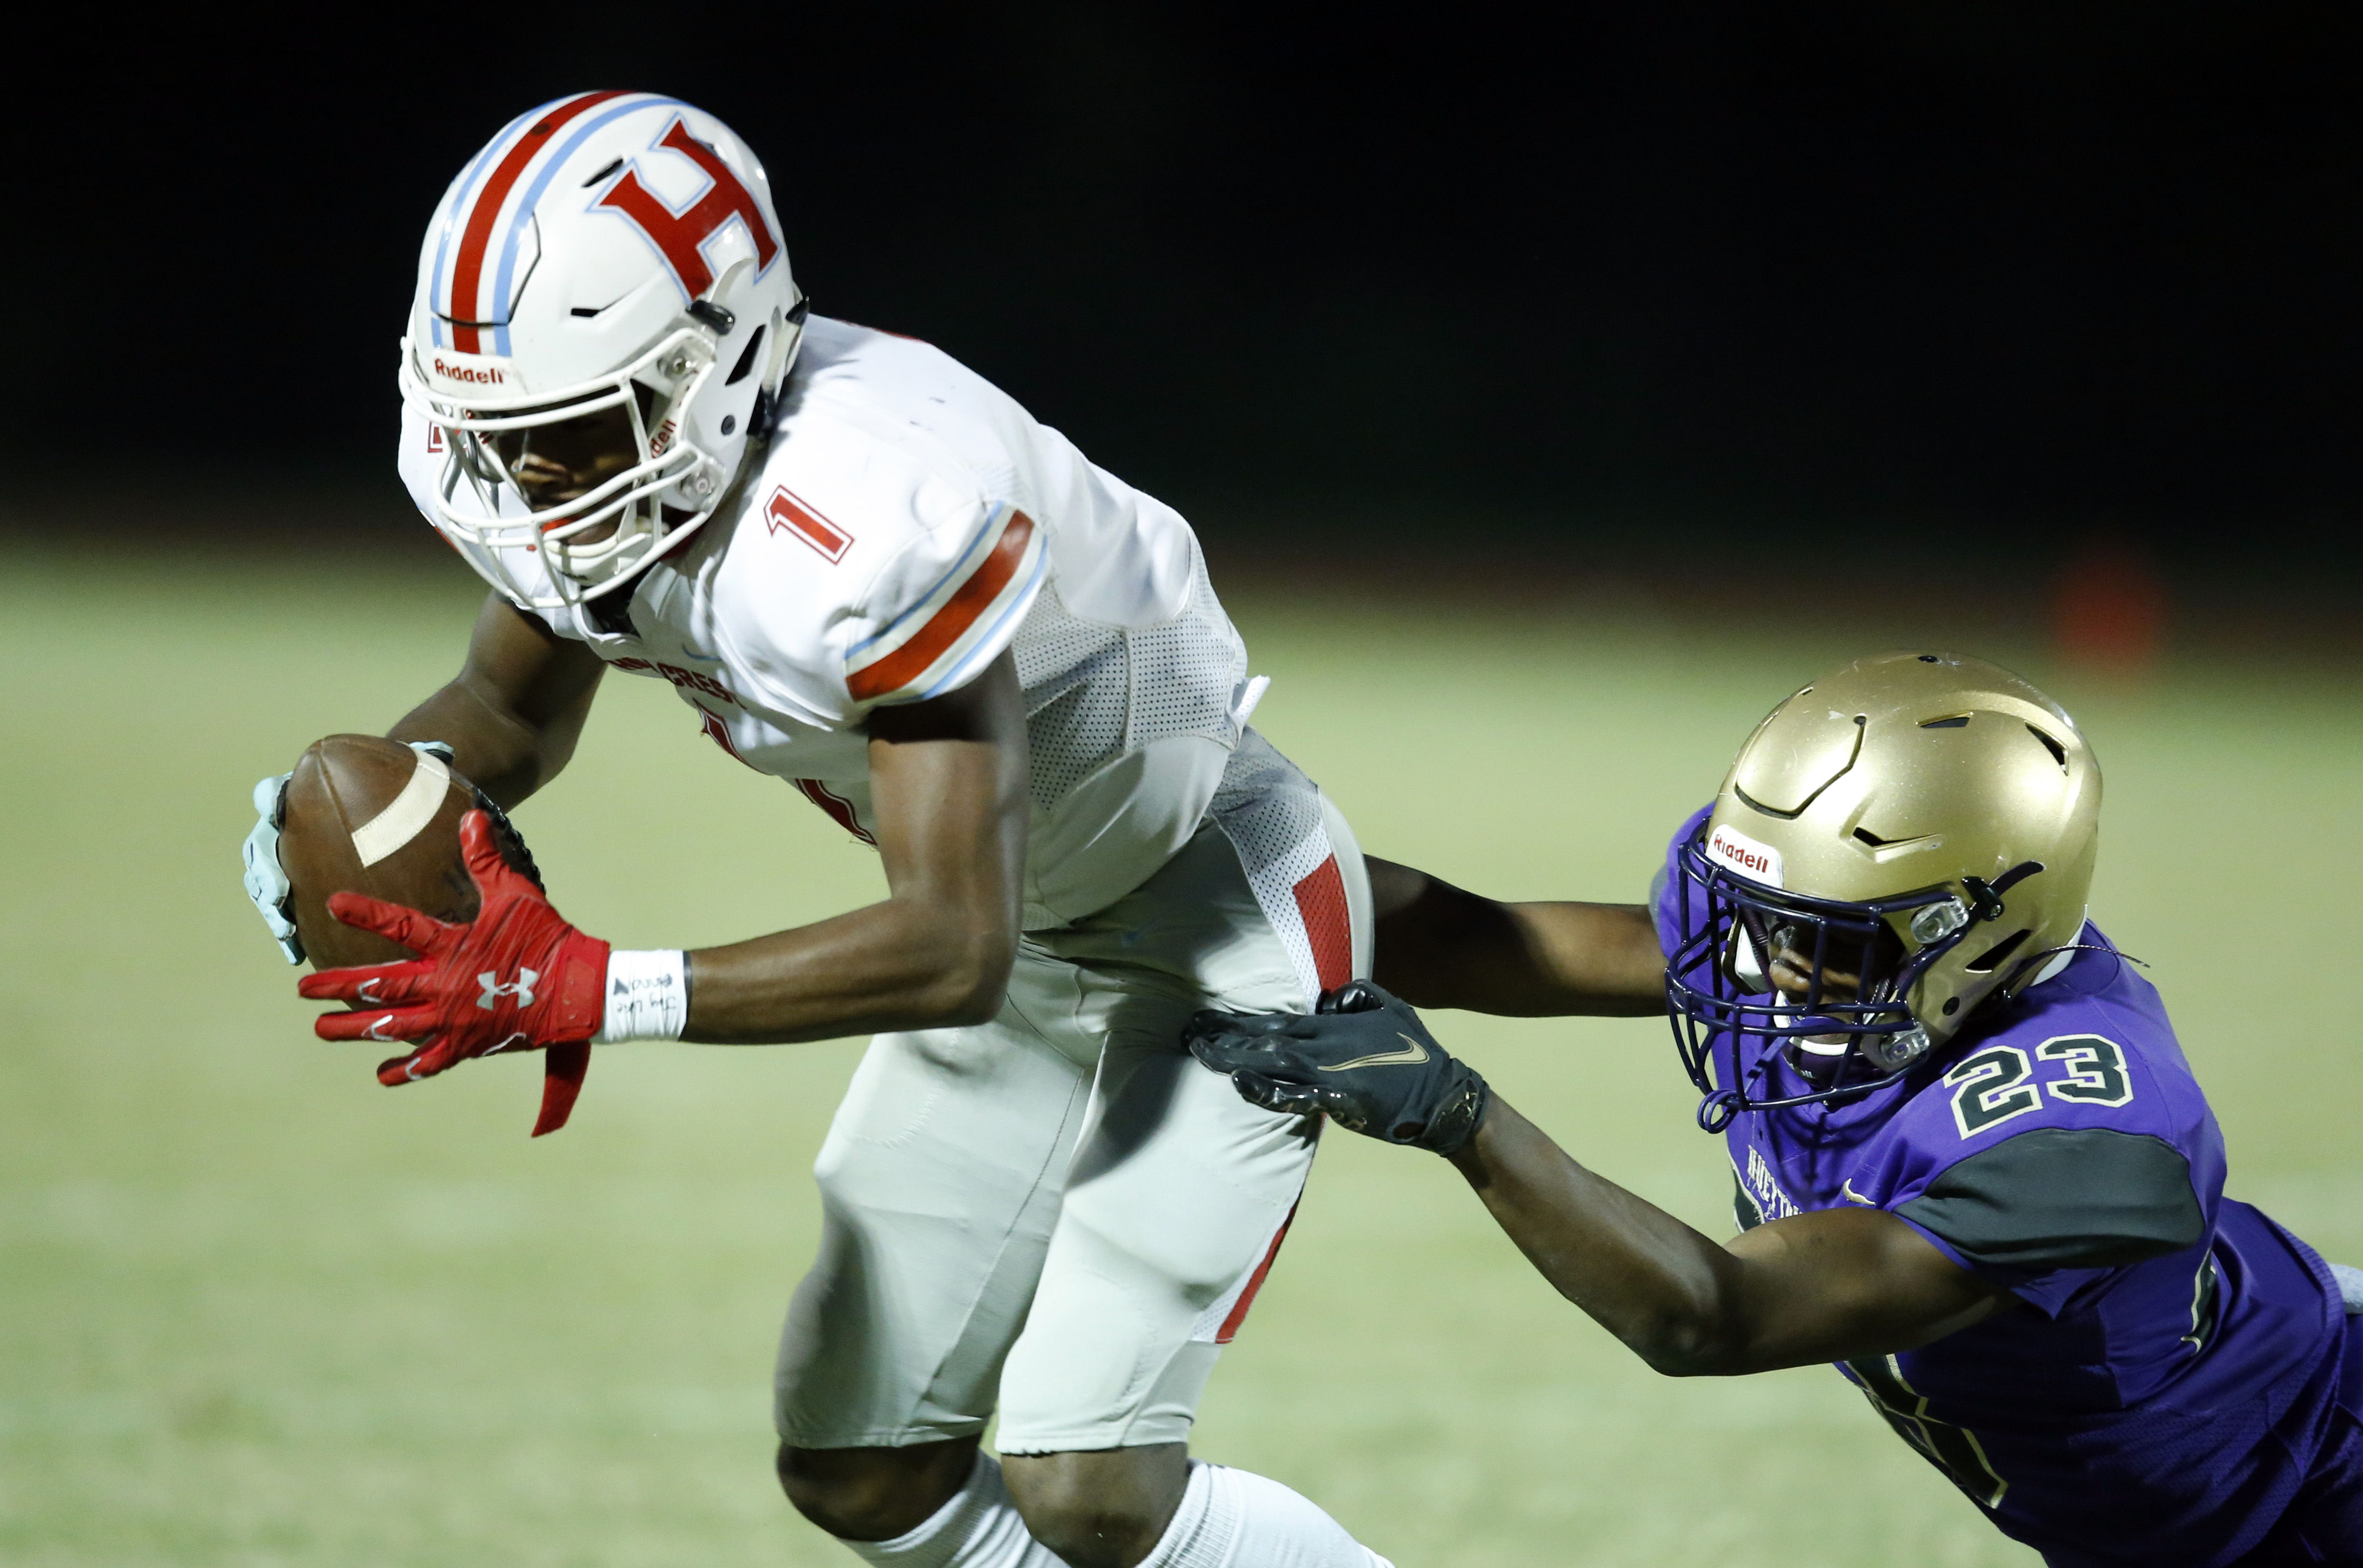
(647, 996)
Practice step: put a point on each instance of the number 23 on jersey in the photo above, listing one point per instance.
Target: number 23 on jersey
(1993, 1085)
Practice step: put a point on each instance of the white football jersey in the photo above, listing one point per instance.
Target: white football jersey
(908, 523)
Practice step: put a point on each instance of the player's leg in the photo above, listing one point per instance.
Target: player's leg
(977, 1527)
(875, 1493)
(1216, 1517)
(1179, 1196)
(1176, 1205)
(2324, 1521)
(940, 1185)
(1105, 1507)
(1133, 1497)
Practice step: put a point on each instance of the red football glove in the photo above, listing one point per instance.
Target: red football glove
(517, 977)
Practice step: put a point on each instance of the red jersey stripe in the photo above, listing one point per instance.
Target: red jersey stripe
(1329, 923)
(910, 662)
(840, 809)
(1238, 1313)
(719, 733)
(467, 267)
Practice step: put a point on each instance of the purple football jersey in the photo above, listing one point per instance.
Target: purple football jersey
(2160, 1395)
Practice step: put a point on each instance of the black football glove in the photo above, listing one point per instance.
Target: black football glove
(1363, 1058)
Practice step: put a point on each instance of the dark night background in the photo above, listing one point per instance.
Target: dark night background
(1970, 280)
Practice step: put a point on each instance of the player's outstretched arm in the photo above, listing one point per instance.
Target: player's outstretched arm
(1439, 946)
(515, 711)
(1833, 1284)
(1830, 1286)
(948, 785)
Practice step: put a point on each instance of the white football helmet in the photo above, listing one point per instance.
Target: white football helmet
(604, 314)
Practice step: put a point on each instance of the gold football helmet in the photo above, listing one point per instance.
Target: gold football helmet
(1907, 839)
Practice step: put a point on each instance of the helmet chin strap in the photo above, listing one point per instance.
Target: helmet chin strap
(2037, 967)
(1887, 1052)
(610, 608)
(1890, 1052)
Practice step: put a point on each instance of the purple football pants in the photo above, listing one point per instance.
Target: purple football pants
(2324, 1523)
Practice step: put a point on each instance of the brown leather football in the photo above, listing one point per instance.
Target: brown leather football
(369, 815)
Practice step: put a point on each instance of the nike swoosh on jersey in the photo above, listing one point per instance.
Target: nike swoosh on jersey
(1411, 1055)
(1847, 1191)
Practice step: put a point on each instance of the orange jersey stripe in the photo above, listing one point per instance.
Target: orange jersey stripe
(950, 624)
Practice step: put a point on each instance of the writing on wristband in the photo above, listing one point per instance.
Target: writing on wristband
(647, 995)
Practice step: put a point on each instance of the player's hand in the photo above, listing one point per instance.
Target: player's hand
(1362, 1059)
(517, 977)
(266, 879)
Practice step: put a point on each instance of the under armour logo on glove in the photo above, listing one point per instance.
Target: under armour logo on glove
(451, 1001)
(521, 988)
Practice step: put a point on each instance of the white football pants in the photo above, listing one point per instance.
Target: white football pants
(1059, 1211)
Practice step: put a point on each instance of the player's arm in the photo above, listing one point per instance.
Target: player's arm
(1833, 1284)
(515, 711)
(1440, 946)
(948, 785)
(1822, 1286)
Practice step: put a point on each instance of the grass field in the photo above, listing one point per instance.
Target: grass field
(256, 1311)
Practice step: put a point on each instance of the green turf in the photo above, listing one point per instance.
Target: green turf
(256, 1311)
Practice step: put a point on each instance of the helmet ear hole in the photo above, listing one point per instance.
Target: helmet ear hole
(745, 359)
(1986, 962)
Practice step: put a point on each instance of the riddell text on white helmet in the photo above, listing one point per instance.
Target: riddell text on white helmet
(606, 250)
(473, 375)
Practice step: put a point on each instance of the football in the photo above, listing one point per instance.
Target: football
(369, 815)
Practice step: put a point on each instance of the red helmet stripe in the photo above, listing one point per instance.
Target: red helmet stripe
(468, 268)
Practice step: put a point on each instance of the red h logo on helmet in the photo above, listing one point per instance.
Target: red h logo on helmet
(677, 235)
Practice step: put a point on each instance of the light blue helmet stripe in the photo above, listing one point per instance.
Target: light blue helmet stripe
(438, 301)
(523, 214)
